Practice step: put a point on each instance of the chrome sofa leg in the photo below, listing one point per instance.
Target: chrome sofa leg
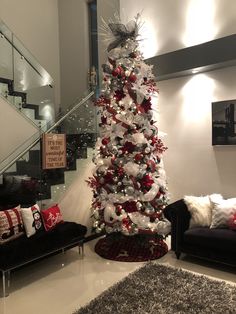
(6, 281)
(81, 249)
(3, 284)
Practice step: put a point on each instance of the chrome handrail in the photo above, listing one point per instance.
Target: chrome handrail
(47, 131)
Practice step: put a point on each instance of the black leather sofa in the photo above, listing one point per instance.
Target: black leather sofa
(218, 245)
(23, 250)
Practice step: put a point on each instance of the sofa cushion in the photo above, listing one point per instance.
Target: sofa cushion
(11, 225)
(51, 217)
(200, 208)
(219, 239)
(26, 249)
(222, 212)
(32, 220)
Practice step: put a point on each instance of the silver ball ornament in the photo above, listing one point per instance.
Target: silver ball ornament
(129, 190)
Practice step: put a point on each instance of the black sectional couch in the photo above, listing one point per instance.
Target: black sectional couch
(217, 245)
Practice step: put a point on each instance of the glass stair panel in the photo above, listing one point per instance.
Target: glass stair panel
(21, 76)
(48, 186)
(6, 53)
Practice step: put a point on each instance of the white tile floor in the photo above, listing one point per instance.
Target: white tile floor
(62, 283)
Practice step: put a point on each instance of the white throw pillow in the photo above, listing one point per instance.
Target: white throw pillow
(32, 220)
(222, 211)
(200, 208)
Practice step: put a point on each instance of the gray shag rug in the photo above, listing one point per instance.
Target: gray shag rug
(156, 288)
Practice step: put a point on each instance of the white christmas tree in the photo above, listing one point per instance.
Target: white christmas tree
(129, 182)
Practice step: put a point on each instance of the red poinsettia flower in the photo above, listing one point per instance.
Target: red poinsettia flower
(154, 140)
(128, 147)
(147, 181)
(119, 94)
(108, 178)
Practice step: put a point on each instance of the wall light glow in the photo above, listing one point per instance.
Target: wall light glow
(200, 22)
(47, 112)
(148, 44)
(197, 94)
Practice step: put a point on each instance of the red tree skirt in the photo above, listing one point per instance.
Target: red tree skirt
(137, 248)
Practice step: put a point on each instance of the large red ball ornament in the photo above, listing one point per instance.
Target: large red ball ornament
(132, 77)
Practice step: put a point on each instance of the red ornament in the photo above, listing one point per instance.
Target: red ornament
(118, 72)
(105, 141)
(132, 77)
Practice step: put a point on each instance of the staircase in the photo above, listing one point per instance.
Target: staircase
(21, 173)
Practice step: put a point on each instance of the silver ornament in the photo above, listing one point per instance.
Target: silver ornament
(129, 190)
(139, 205)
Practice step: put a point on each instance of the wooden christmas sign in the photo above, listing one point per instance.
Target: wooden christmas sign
(54, 151)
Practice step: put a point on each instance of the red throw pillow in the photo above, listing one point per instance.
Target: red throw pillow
(51, 217)
(232, 222)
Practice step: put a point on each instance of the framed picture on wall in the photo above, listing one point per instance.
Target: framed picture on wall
(224, 122)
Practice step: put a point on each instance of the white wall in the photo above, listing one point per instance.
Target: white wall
(74, 49)
(75, 204)
(35, 23)
(14, 129)
(175, 24)
(105, 11)
(192, 164)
